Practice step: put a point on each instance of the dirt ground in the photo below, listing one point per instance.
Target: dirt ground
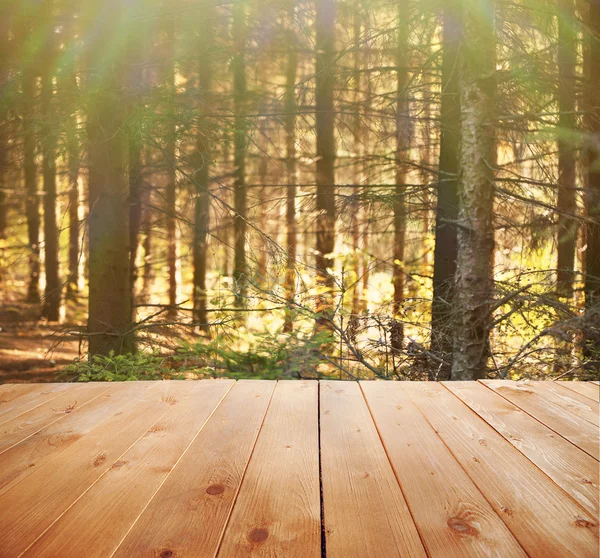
(33, 356)
(32, 352)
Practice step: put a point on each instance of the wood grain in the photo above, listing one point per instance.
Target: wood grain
(277, 512)
(578, 431)
(95, 525)
(583, 388)
(452, 516)
(29, 507)
(30, 454)
(543, 518)
(30, 400)
(569, 467)
(27, 424)
(202, 489)
(8, 392)
(578, 404)
(358, 482)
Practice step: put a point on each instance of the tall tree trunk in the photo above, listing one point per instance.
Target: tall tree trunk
(240, 265)
(110, 316)
(171, 191)
(474, 282)
(357, 17)
(32, 206)
(148, 245)
(69, 83)
(136, 85)
(592, 276)
(136, 186)
(4, 133)
(201, 168)
(52, 295)
(365, 213)
(567, 193)
(445, 252)
(290, 166)
(402, 153)
(325, 173)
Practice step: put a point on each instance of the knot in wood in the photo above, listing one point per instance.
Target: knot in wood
(258, 535)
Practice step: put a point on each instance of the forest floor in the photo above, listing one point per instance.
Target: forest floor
(30, 351)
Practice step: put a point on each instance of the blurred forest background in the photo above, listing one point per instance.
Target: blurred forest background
(403, 189)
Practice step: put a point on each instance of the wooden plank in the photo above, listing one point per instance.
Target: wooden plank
(277, 511)
(543, 518)
(30, 400)
(29, 455)
(569, 467)
(583, 388)
(578, 431)
(595, 382)
(29, 507)
(452, 516)
(578, 404)
(8, 392)
(25, 425)
(96, 524)
(202, 488)
(358, 481)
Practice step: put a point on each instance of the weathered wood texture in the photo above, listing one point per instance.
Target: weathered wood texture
(299, 469)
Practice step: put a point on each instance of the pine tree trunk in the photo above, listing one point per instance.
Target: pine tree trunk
(69, 83)
(445, 252)
(201, 169)
(32, 206)
(592, 276)
(110, 316)
(240, 265)
(171, 190)
(290, 167)
(325, 174)
(567, 194)
(4, 135)
(474, 282)
(402, 153)
(365, 214)
(136, 85)
(358, 140)
(52, 295)
(148, 245)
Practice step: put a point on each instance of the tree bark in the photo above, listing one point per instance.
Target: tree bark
(358, 140)
(240, 92)
(32, 206)
(290, 167)
(402, 151)
(171, 191)
(110, 316)
(4, 134)
(325, 173)
(474, 282)
(567, 194)
(69, 83)
(136, 86)
(445, 251)
(592, 276)
(52, 294)
(201, 168)
(148, 245)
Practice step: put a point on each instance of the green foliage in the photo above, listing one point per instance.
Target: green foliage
(120, 368)
(266, 355)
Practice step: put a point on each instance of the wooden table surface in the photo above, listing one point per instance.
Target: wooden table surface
(299, 469)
